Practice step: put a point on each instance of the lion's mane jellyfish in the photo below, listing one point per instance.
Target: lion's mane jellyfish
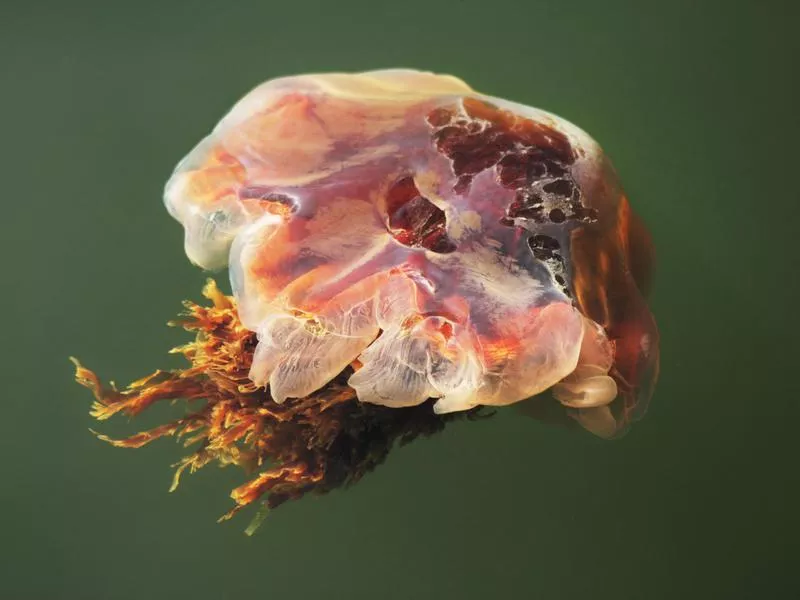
(402, 250)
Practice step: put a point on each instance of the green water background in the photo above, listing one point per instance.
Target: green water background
(696, 102)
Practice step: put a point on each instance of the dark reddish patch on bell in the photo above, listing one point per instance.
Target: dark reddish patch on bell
(414, 220)
(548, 250)
(482, 136)
(544, 247)
(522, 151)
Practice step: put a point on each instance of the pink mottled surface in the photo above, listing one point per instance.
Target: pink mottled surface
(401, 220)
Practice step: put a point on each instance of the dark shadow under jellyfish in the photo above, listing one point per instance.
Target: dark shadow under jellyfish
(403, 251)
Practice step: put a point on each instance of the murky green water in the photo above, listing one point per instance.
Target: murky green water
(695, 102)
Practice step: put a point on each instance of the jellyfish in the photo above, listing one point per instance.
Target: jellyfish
(403, 251)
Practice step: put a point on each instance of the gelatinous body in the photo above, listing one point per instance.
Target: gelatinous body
(446, 244)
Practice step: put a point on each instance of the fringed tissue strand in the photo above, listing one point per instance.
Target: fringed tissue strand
(313, 444)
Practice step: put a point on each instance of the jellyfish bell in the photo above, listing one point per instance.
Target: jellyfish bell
(403, 251)
(456, 246)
